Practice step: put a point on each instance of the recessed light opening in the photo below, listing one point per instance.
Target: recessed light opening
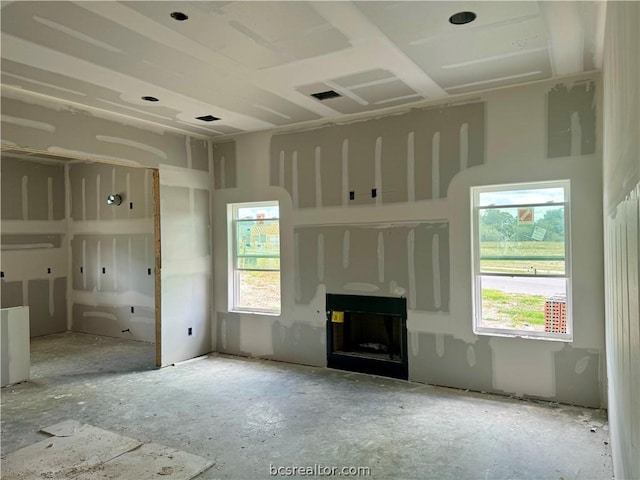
(207, 118)
(181, 17)
(326, 95)
(462, 18)
(149, 99)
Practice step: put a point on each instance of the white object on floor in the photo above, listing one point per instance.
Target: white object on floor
(14, 345)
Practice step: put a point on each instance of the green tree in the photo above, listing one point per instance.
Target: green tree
(496, 225)
(553, 223)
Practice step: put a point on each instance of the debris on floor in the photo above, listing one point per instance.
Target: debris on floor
(84, 452)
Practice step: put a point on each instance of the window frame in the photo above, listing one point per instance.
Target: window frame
(233, 270)
(477, 273)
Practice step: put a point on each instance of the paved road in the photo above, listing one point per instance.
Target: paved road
(537, 286)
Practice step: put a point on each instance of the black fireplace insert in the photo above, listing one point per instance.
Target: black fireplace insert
(367, 334)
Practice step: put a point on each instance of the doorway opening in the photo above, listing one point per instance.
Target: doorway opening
(81, 249)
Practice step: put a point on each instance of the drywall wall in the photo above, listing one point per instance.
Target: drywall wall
(112, 251)
(45, 126)
(404, 158)
(410, 260)
(34, 252)
(416, 230)
(621, 159)
(186, 263)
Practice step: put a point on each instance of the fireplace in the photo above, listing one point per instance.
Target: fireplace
(367, 334)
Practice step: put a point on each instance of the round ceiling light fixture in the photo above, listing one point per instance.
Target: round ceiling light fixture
(181, 17)
(462, 18)
(147, 98)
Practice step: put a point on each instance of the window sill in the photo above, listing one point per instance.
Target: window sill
(256, 312)
(526, 335)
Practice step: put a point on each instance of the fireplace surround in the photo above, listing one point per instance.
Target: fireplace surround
(367, 334)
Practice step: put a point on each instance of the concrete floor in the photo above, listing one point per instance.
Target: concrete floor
(249, 414)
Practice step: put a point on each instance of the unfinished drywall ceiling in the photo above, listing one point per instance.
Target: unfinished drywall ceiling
(254, 65)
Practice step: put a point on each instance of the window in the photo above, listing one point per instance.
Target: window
(521, 260)
(255, 257)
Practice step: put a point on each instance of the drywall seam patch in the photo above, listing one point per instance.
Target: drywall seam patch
(25, 197)
(576, 134)
(25, 293)
(360, 287)
(435, 260)
(113, 190)
(581, 365)
(415, 343)
(98, 266)
(84, 264)
(132, 144)
(128, 187)
(346, 245)
(105, 315)
(98, 196)
(464, 146)
(24, 122)
(115, 264)
(281, 170)
(49, 198)
(380, 253)
(111, 299)
(223, 333)
(210, 166)
(187, 140)
(84, 199)
(294, 178)
(345, 173)
(411, 181)
(439, 344)
(91, 156)
(223, 172)
(318, 167)
(411, 240)
(296, 243)
(129, 263)
(321, 257)
(378, 171)
(471, 356)
(52, 307)
(435, 166)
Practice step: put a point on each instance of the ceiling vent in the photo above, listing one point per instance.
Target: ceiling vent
(207, 118)
(326, 95)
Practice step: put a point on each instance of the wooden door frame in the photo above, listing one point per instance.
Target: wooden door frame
(158, 265)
